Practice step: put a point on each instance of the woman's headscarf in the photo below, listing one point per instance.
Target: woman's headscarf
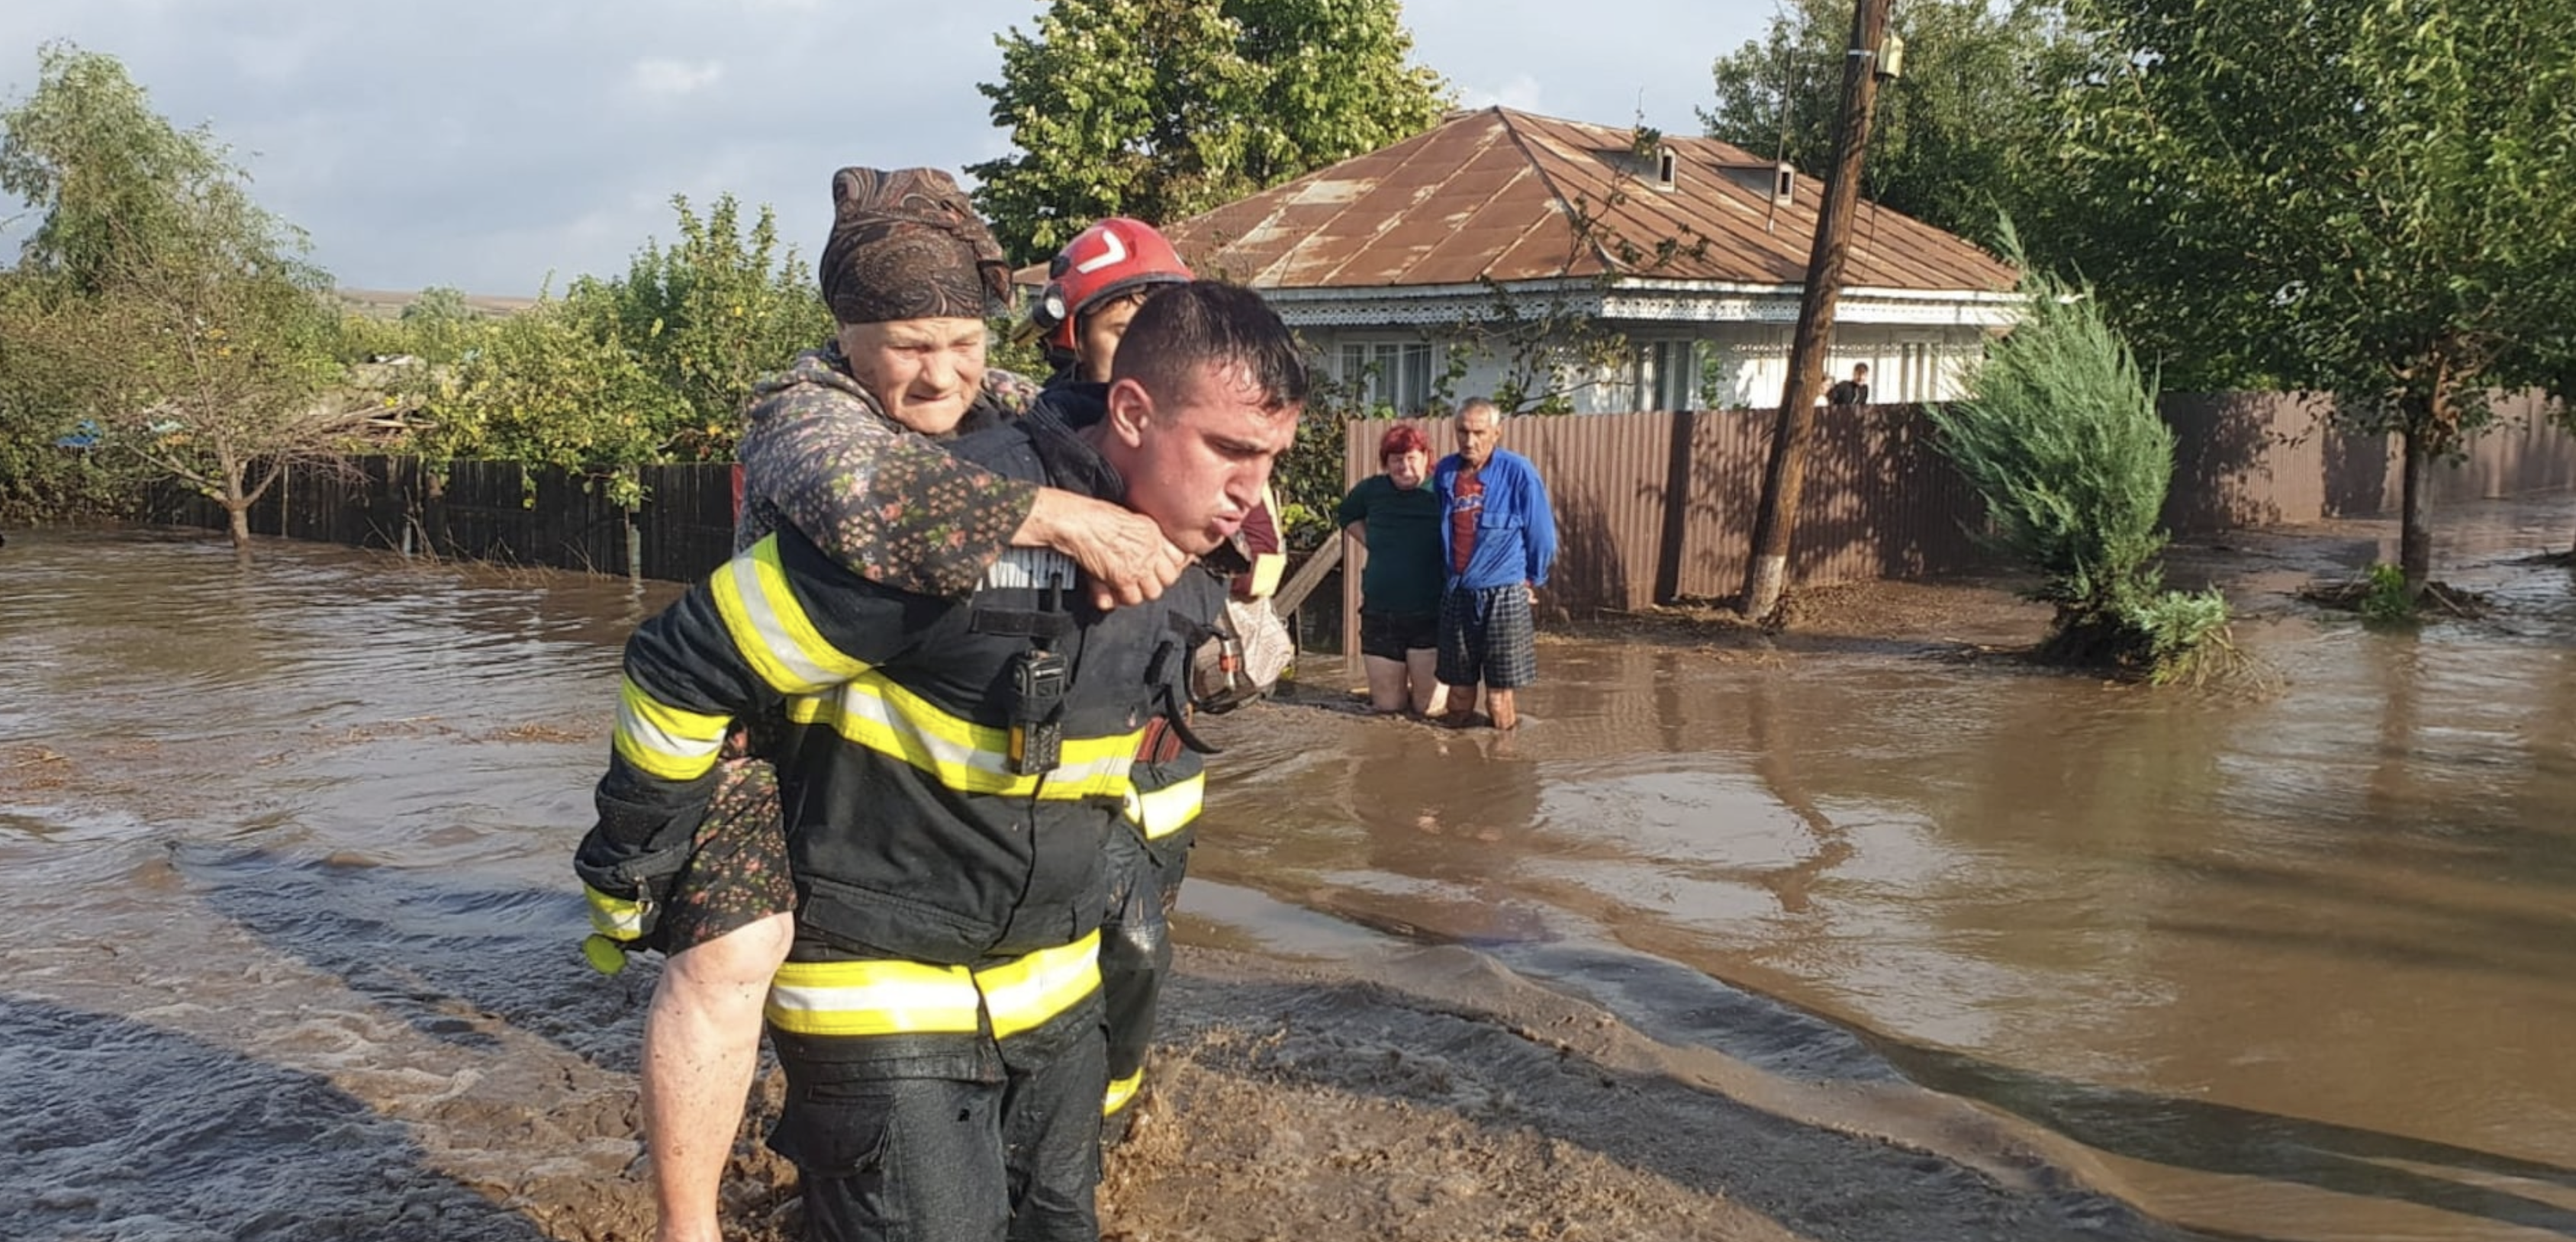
(906, 244)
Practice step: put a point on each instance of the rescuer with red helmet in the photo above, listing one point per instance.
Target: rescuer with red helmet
(1094, 286)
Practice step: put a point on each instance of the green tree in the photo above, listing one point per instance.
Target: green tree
(440, 325)
(162, 304)
(2059, 433)
(1962, 133)
(554, 385)
(713, 313)
(648, 367)
(1162, 109)
(2367, 197)
(44, 474)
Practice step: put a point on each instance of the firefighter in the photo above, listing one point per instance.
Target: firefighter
(952, 777)
(830, 448)
(1094, 286)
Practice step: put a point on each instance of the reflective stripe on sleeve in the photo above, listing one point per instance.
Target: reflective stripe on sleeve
(1162, 812)
(895, 998)
(618, 918)
(668, 742)
(1122, 1092)
(771, 628)
(961, 755)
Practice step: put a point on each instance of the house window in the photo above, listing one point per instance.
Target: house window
(1394, 374)
(1672, 376)
(1918, 375)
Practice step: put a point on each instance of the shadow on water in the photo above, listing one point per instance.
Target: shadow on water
(176, 1139)
(2219, 1138)
(451, 961)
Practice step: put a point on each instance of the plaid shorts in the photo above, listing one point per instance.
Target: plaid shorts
(1487, 635)
(737, 871)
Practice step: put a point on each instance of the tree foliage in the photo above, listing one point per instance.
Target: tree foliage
(649, 367)
(2059, 433)
(2368, 197)
(440, 325)
(725, 305)
(1162, 109)
(156, 302)
(1960, 134)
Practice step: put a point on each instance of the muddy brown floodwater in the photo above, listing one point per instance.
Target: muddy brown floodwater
(1868, 932)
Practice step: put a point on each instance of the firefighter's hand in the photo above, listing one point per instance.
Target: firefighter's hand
(1124, 553)
(619, 926)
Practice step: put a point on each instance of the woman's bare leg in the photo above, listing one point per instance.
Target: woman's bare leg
(701, 1043)
(1386, 683)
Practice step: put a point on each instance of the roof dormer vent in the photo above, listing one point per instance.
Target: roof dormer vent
(1784, 184)
(1666, 164)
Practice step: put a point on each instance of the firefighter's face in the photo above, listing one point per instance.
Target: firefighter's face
(925, 372)
(1096, 338)
(1196, 460)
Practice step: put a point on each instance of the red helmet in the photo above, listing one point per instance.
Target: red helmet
(1113, 256)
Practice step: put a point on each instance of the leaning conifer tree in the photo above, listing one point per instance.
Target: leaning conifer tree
(2059, 434)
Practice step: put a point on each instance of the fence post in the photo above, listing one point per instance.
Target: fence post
(634, 534)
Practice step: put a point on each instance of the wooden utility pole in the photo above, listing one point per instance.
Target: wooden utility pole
(1768, 574)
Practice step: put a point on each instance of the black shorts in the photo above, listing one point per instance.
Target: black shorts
(1389, 635)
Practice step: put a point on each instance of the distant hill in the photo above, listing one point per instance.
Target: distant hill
(389, 304)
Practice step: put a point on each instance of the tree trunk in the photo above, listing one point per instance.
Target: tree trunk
(2415, 520)
(1784, 476)
(237, 503)
(238, 512)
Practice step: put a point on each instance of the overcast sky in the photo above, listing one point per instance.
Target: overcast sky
(488, 145)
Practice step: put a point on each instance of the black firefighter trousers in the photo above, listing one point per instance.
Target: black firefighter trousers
(1001, 1145)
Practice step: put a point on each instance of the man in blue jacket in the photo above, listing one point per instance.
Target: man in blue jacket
(1500, 537)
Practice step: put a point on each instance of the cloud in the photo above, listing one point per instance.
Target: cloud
(485, 143)
(670, 77)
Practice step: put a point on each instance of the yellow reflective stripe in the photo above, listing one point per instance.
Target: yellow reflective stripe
(771, 628)
(618, 918)
(964, 756)
(1162, 812)
(1025, 993)
(872, 998)
(1121, 1092)
(893, 998)
(672, 743)
(1266, 568)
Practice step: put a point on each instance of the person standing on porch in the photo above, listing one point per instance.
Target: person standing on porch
(1499, 535)
(1853, 391)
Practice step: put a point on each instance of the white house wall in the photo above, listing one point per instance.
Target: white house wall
(1906, 364)
(1742, 365)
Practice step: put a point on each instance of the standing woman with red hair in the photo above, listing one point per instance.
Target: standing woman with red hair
(1396, 517)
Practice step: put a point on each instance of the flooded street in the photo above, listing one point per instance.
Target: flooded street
(289, 945)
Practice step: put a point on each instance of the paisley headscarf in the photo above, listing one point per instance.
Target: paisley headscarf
(907, 244)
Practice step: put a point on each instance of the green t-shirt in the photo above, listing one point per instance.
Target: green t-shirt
(1404, 573)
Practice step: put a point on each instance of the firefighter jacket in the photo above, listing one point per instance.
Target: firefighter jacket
(918, 843)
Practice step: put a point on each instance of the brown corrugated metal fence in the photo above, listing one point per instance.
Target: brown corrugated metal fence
(1659, 507)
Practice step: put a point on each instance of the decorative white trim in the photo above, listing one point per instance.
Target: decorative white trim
(1639, 301)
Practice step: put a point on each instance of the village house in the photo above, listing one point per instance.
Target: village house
(1600, 269)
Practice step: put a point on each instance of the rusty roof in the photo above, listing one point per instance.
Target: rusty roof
(1497, 194)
